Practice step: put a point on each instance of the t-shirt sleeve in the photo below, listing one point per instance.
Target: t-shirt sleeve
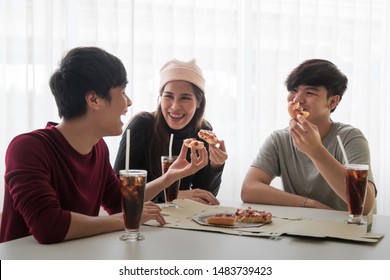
(267, 157)
(357, 149)
(28, 178)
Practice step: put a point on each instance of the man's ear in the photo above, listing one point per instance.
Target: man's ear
(334, 101)
(92, 100)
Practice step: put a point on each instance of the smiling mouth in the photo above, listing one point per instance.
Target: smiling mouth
(176, 116)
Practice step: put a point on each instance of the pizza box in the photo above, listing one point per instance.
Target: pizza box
(190, 215)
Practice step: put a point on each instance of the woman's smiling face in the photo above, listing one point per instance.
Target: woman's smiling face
(178, 104)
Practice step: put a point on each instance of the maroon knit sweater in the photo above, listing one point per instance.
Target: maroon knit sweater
(46, 179)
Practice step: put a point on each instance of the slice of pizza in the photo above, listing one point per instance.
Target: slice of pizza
(209, 136)
(221, 219)
(193, 143)
(249, 215)
(295, 109)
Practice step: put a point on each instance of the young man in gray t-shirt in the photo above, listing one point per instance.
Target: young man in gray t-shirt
(306, 155)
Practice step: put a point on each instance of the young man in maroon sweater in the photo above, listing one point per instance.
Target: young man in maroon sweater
(57, 178)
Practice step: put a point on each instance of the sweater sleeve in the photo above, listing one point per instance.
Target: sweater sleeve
(28, 179)
(208, 179)
(111, 199)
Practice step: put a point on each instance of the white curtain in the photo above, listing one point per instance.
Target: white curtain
(246, 49)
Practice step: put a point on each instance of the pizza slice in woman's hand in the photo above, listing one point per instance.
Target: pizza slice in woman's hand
(193, 143)
(208, 136)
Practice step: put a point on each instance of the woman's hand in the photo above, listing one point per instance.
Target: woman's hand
(152, 212)
(199, 195)
(218, 154)
(181, 168)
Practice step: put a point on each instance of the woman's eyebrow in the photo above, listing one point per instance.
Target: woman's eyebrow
(186, 94)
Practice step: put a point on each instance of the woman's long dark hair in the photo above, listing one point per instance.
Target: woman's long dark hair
(159, 141)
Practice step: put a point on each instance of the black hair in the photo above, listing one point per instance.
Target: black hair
(82, 70)
(318, 72)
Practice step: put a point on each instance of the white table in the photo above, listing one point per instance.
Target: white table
(168, 244)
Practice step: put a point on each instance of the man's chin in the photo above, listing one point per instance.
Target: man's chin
(116, 132)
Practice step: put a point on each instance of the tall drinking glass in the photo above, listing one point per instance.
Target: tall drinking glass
(356, 187)
(172, 191)
(132, 196)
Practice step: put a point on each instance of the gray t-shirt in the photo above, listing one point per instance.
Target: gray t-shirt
(279, 157)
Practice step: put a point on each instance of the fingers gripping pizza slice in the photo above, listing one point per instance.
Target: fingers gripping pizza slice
(208, 136)
(193, 143)
(295, 109)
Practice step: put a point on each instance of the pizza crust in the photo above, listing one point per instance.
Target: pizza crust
(193, 144)
(209, 136)
(295, 109)
(221, 219)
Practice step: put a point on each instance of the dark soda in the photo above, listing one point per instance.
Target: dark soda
(132, 194)
(172, 191)
(356, 183)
